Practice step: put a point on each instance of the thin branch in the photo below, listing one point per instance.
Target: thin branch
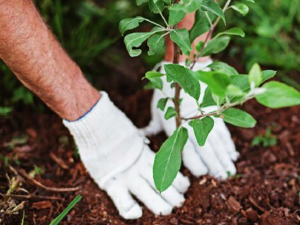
(176, 99)
(162, 16)
(150, 21)
(177, 89)
(35, 182)
(209, 20)
(29, 196)
(164, 19)
(220, 110)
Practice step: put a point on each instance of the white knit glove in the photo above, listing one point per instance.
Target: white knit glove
(219, 151)
(117, 159)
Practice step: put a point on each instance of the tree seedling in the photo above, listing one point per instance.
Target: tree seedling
(266, 140)
(226, 88)
(36, 171)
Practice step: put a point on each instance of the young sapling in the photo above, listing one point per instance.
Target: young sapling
(226, 88)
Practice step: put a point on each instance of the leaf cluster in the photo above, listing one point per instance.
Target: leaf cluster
(226, 88)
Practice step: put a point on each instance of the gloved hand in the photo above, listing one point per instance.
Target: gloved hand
(218, 154)
(117, 159)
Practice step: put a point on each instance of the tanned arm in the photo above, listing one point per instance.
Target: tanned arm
(31, 51)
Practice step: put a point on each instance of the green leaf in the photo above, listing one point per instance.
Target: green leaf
(168, 159)
(207, 99)
(233, 31)
(199, 46)
(181, 38)
(238, 118)
(242, 81)
(200, 26)
(202, 128)
(136, 40)
(161, 104)
(157, 6)
(140, 2)
(216, 81)
(155, 43)
(187, 6)
(223, 68)
(192, 5)
(168, 2)
(218, 100)
(66, 211)
(272, 141)
(255, 75)
(153, 83)
(185, 78)
(216, 45)
(175, 15)
(170, 113)
(153, 74)
(278, 95)
(267, 74)
(212, 6)
(130, 23)
(234, 91)
(4, 111)
(257, 140)
(241, 8)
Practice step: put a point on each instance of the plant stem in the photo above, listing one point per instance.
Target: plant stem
(155, 23)
(164, 19)
(177, 86)
(220, 110)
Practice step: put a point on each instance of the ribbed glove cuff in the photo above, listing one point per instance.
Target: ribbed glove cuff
(106, 139)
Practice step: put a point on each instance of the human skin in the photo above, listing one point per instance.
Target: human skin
(31, 51)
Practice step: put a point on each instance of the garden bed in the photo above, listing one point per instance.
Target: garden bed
(264, 191)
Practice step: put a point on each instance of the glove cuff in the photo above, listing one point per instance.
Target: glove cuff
(107, 141)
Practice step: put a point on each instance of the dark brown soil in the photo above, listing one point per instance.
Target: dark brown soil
(265, 190)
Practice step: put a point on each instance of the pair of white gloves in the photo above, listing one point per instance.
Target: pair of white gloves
(114, 152)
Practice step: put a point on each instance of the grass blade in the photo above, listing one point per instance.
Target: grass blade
(66, 211)
(23, 218)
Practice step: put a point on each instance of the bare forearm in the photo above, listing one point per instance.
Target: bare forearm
(34, 55)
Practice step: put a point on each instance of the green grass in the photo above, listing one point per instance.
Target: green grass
(58, 219)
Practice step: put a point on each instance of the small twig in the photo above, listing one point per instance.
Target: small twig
(162, 16)
(256, 204)
(24, 174)
(59, 161)
(32, 196)
(155, 23)
(164, 19)
(209, 20)
(220, 110)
